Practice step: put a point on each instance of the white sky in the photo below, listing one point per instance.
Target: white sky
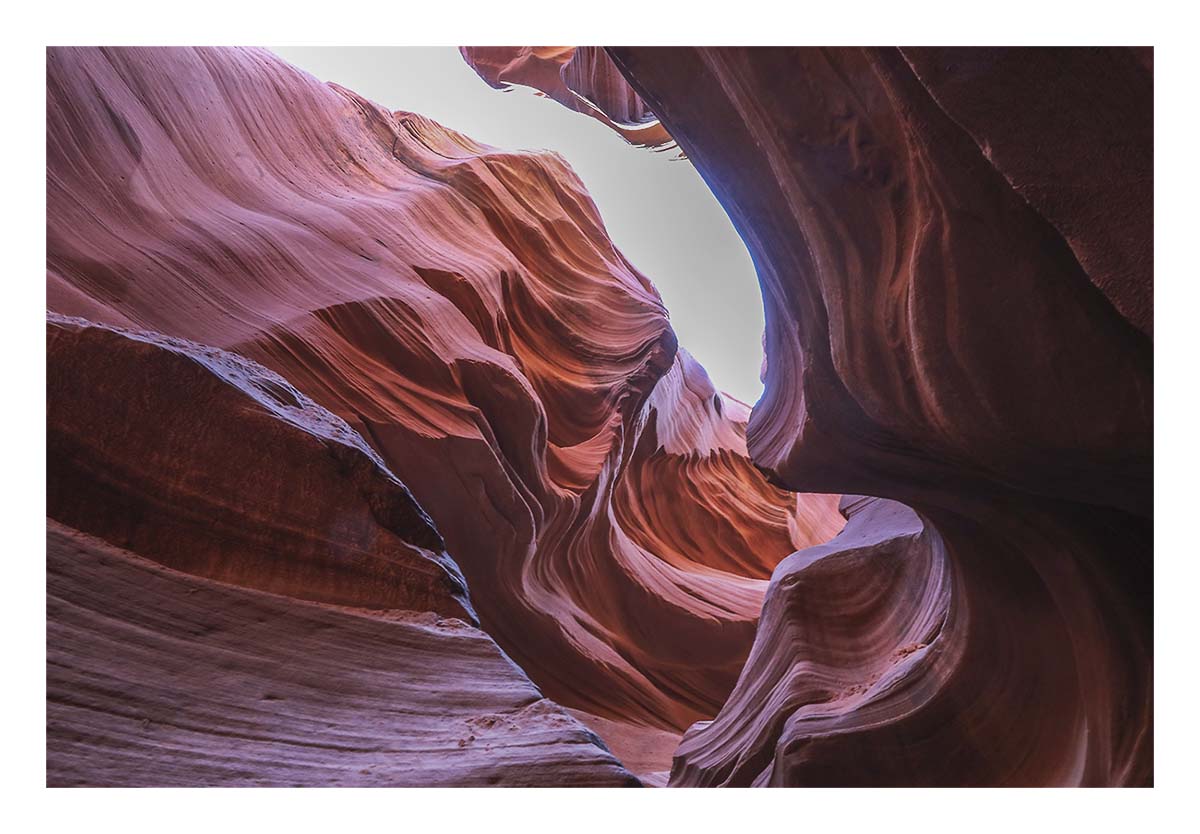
(658, 210)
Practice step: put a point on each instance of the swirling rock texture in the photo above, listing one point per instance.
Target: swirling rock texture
(846, 627)
(465, 375)
(954, 249)
(328, 382)
(214, 466)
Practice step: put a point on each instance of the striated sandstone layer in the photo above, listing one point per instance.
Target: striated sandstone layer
(209, 463)
(846, 627)
(190, 682)
(582, 78)
(443, 328)
(356, 669)
(957, 319)
(955, 259)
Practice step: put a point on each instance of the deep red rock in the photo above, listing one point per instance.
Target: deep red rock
(1072, 130)
(209, 463)
(959, 313)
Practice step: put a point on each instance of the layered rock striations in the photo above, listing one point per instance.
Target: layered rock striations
(952, 324)
(157, 677)
(303, 624)
(325, 362)
(847, 628)
(209, 463)
(582, 78)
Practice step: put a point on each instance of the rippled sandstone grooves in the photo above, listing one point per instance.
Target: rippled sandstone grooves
(582, 78)
(305, 354)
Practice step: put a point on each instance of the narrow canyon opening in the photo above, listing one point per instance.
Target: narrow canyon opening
(712, 511)
(655, 206)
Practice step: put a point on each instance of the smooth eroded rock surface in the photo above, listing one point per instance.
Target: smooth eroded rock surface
(955, 252)
(159, 678)
(582, 78)
(948, 329)
(209, 463)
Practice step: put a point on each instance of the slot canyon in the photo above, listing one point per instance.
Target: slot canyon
(372, 460)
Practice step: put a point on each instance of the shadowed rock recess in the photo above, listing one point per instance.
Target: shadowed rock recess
(372, 461)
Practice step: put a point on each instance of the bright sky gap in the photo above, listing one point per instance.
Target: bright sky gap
(657, 210)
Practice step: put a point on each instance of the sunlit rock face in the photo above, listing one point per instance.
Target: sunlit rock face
(954, 249)
(582, 78)
(241, 593)
(318, 363)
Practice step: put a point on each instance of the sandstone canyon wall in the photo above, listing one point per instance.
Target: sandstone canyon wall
(373, 461)
(958, 310)
(582, 78)
(955, 247)
(330, 389)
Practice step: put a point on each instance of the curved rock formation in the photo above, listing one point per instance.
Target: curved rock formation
(849, 629)
(935, 335)
(582, 78)
(461, 309)
(191, 682)
(694, 445)
(211, 464)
